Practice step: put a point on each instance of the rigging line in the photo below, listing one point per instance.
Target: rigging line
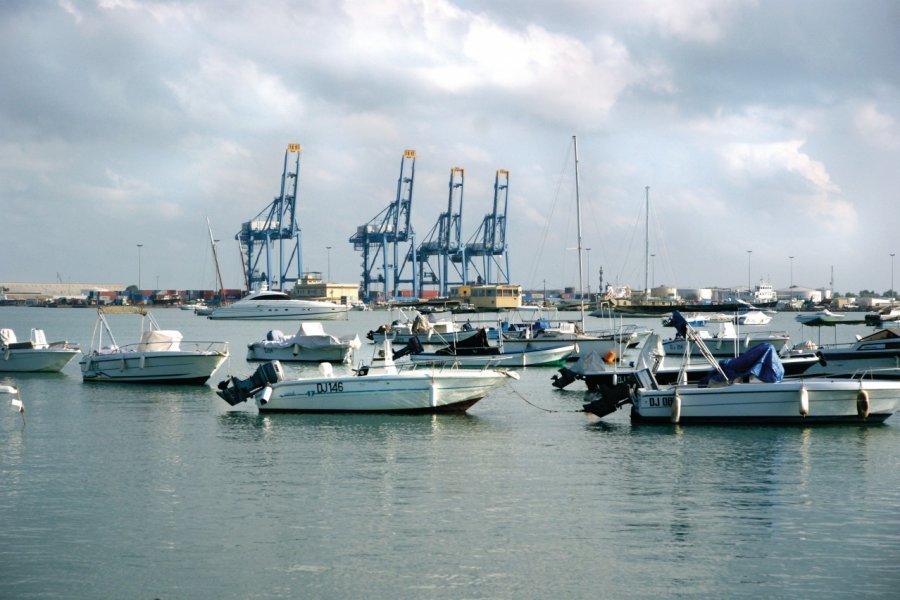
(524, 399)
(625, 259)
(536, 263)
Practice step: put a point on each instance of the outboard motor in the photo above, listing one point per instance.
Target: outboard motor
(565, 377)
(413, 346)
(234, 390)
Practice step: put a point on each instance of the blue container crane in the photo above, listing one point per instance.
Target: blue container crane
(380, 239)
(277, 222)
(489, 240)
(443, 241)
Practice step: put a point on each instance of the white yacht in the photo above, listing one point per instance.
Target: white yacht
(271, 304)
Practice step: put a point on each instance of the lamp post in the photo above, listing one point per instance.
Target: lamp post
(749, 278)
(139, 246)
(589, 271)
(328, 248)
(893, 293)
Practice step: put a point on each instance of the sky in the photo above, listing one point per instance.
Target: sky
(764, 130)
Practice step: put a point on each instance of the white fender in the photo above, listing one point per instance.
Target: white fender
(264, 395)
(862, 403)
(676, 408)
(143, 360)
(804, 401)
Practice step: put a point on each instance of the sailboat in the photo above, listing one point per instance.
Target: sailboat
(614, 341)
(203, 309)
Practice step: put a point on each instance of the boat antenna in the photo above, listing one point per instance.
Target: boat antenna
(578, 218)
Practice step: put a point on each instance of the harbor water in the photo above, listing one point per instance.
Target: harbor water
(118, 491)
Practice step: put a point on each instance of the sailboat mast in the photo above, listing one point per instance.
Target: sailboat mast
(580, 245)
(215, 258)
(647, 247)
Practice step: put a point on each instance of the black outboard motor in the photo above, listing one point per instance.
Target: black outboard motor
(234, 390)
(565, 377)
(413, 346)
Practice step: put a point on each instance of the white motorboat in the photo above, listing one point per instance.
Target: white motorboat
(727, 342)
(477, 352)
(753, 317)
(161, 356)
(751, 389)
(600, 373)
(382, 387)
(544, 334)
(877, 354)
(803, 401)
(310, 344)
(35, 355)
(888, 314)
(272, 305)
(819, 318)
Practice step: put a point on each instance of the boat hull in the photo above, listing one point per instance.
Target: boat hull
(416, 391)
(826, 401)
(35, 360)
(520, 358)
(274, 310)
(296, 353)
(726, 347)
(189, 368)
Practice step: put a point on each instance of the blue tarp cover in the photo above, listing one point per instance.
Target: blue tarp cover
(761, 361)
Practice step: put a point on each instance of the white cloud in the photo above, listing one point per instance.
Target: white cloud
(761, 161)
(706, 21)
(876, 127)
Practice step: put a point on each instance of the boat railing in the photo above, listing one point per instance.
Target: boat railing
(183, 346)
(874, 373)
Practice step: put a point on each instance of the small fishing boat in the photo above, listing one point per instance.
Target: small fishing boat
(477, 352)
(726, 341)
(161, 356)
(381, 387)
(877, 354)
(430, 329)
(819, 318)
(310, 344)
(751, 389)
(34, 356)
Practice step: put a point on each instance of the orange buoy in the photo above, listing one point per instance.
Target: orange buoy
(610, 357)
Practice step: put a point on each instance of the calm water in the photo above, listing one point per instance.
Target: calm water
(113, 491)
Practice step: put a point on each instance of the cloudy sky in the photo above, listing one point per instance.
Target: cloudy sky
(771, 126)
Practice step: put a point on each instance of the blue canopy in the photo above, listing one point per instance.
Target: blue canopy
(761, 361)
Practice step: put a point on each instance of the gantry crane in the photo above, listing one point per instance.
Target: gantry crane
(277, 222)
(380, 239)
(443, 241)
(489, 240)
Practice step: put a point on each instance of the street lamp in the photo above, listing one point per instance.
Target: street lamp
(749, 278)
(589, 271)
(139, 246)
(792, 271)
(893, 293)
(328, 248)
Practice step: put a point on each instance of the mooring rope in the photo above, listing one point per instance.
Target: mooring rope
(527, 401)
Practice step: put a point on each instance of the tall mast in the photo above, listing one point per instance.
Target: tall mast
(215, 258)
(647, 247)
(578, 217)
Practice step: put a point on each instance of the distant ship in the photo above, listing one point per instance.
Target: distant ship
(763, 297)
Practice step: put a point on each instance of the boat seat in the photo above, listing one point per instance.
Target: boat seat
(38, 338)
